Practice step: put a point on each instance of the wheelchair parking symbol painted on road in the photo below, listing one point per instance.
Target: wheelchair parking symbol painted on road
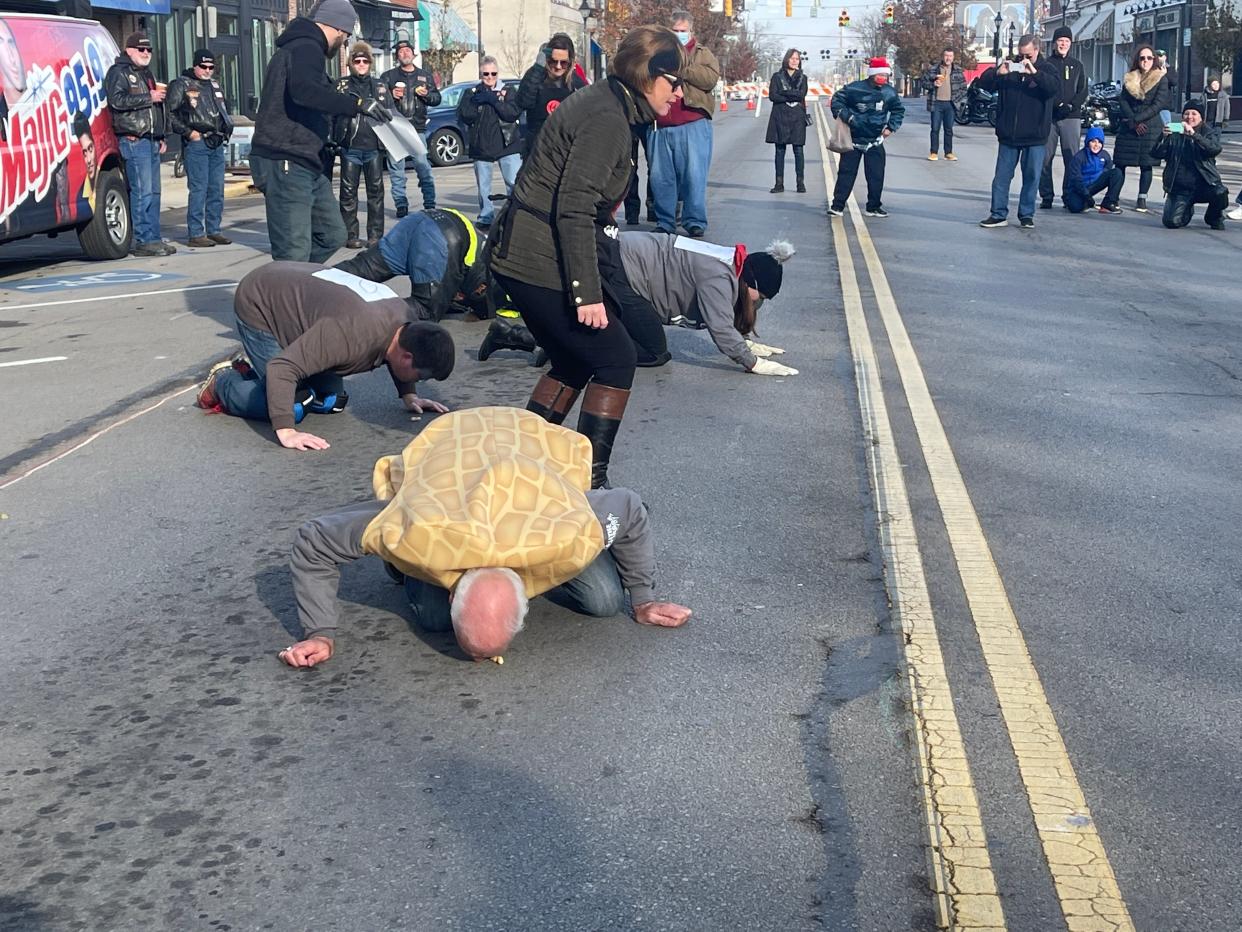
(89, 280)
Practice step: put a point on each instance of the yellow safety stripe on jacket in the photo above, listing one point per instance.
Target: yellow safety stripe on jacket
(472, 250)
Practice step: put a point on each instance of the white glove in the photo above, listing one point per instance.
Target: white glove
(762, 349)
(767, 367)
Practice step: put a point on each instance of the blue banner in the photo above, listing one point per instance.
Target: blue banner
(148, 7)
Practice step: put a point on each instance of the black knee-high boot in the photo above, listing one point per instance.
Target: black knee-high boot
(551, 399)
(600, 418)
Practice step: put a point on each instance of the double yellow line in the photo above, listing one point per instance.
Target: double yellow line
(963, 883)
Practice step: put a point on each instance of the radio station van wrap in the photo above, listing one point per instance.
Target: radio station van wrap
(60, 168)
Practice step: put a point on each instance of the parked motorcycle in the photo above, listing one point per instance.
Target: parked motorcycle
(1103, 107)
(978, 107)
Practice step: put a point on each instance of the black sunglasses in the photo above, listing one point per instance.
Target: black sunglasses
(490, 74)
(674, 80)
(362, 61)
(558, 63)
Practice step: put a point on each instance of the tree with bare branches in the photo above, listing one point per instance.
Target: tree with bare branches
(922, 30)
(515, 49)
(447, 48)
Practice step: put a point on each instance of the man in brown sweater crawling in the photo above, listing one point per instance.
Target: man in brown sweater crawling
(303, 327)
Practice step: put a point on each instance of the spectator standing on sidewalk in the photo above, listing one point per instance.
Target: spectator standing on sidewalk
(787, 121)
(413, 89)
(945, 86)
(199, 114)
(1066, 111)
(492, 135)
(874, 112)
(137, 105)
(679, 146)
(1025, 91)
(1190, 173)
(362, 156)
(1217, 102)
(1145, 91)
(545, 86)
(289, 160)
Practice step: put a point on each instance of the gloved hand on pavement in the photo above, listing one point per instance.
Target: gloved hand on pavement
(762, 349)
(768, 367)
(374, 109)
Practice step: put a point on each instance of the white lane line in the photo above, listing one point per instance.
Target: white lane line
(114, 297)
(32, 362)
(251, 232)
(95, 436)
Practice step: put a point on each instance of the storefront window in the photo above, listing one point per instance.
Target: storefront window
(226, 25)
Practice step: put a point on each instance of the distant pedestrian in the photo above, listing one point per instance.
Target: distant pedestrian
(1190, 173)
(414, 89)
(1217, 102)
(874, 111)
(492, 135)
(1066, 124)
(362, 155)
(136, 101)
(945, 87)
(787, 120)
(1145, 92)
(1089, 173)
(289, 159)
(545, 86)
(1162, 64)
(679, 146)
(555, 250)
(199, 114)
(1025, 90)
(304, 327)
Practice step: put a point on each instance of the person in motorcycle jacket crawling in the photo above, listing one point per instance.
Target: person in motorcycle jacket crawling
(442, 253)
(362, 156)
(1089, 172)
(1190, 176)
(680, 282)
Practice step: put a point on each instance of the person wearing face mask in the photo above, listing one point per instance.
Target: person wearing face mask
(554, 246)
(1190, 173)
(545, 86)
(874, 112)
(679, 146)
(1066, 111)
(288, 159)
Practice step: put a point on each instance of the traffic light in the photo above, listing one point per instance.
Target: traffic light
(825, 54)
(888, 15)
(844, 19)
(789, 7)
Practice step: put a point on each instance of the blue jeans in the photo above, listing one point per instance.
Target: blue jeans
(596, 592)
(509, 166)
(942, 115)
(1007, 159)
(678, 160)
(142, 169)
(204, 169)
(247, 397)
(303, 218)
(396, 180)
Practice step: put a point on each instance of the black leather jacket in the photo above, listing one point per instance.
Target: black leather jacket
(413, 106)
(199, 106)
(356, 131)
(129, 98)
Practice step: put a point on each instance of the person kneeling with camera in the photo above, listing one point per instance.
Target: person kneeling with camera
(1189, 150)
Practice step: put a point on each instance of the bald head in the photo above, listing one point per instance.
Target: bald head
(489, 609)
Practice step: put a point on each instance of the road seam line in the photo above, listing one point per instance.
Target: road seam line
(963, 886)
(1086, 886)
(114, 297)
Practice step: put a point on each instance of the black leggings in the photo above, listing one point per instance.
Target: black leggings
(799, 161)
(578, 353)
(1145, 172)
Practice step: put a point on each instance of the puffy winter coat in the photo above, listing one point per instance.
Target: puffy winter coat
(129, 98)
(492, 118)
(1024, 108)
(787, 121)
(869, 109)
(1141, 100)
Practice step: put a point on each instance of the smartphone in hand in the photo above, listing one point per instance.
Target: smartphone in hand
(1175, 127)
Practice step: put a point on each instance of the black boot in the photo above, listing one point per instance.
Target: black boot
(801, 185)
(551, 399)
(599, 420)
(779, 187)
(504, 335)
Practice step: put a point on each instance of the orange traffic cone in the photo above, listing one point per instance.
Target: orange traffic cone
(750, 103)
(724, 104)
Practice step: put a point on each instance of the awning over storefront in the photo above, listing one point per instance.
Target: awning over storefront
(141, 7)
(381, 20)
(1085, 29)
(442, 27)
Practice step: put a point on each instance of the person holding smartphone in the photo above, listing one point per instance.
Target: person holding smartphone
(1189, 151)
(1026, 90)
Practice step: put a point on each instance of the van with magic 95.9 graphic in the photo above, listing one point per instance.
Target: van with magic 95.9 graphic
(60, 167)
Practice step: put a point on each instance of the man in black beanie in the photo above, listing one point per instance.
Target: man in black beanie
(288, 159)
(1066, 111)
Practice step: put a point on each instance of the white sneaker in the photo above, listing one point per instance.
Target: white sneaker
(1234, 212)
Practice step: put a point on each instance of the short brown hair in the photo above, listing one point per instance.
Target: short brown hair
(632, 63)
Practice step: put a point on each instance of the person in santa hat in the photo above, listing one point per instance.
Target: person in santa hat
(874, 112)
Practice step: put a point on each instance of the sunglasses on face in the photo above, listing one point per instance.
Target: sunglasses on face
(1147, 58)
(675, 81)
(559, 63)
(362, 61)
(207, 67)
(490, 74)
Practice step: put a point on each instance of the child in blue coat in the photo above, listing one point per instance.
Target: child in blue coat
(1091, 171)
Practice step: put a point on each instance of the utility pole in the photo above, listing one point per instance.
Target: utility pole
(478, 15)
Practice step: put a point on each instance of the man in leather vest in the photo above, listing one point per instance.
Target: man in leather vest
(412, 90)
(199, 114)
(137, 105)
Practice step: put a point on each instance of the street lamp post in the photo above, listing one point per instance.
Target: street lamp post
(1012, 30)
(586, 11)
(996, 41)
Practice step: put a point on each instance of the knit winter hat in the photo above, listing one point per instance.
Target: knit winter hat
(1063, 32)
(203, 57)
(339, 14)
(1196, 105)
(762, 270)
(878, 66)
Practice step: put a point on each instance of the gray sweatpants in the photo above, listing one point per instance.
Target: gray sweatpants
(1069, 132)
